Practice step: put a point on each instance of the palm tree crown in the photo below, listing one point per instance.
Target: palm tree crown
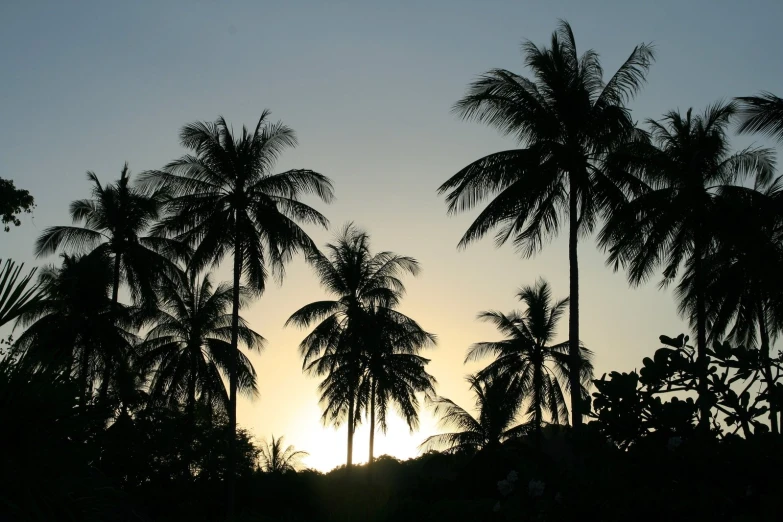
(74, 326)
(568, 119)
(115, 219)
(537, 368)
(497, 408)
(684, 164)
(189, 344)
(276, 458)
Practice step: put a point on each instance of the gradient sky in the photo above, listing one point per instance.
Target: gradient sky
(368, 87)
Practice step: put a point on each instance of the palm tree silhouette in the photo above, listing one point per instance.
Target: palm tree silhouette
(226, 200)
(75, 326)
(275, 458)
(189, 344)
(568, 119)
(762, 113)
(393, 371)
(685, 163)
(742, 279)
(538, 370)
(361, 282)
(115, 220)
(497, 405)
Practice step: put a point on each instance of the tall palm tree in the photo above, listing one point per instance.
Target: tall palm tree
(762, 113)
(538, 369)
(359, 281)
(393, 371)
(227, 200)
(567, 120)
(189, 344)
(497, 407)
(115, 220)
(275, 458)
(686, 162)
(75, 326)
(743, 282)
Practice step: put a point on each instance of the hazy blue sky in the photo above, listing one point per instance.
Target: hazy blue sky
(368, 87)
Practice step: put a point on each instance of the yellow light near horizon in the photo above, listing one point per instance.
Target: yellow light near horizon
(327, 446)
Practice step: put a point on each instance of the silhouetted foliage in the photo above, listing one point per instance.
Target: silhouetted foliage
(539, 370)
(694, 434)
(16, 295)
(276, 458)
(13, 201)
(762, 113)
(683, 164)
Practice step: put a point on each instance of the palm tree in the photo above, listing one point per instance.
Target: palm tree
(227, 200)
(115, 220)
(278, 459)
(16, 295)
(567, 119)
(393, 371)
(762, 113)
(685, 164)
(360, 281)
(742, 279)
(190, 343)
(497, 406)
(75, 326)
(538, 369)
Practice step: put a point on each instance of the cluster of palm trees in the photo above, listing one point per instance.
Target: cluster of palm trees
(367, 351)
(157, 238)
(672, 196)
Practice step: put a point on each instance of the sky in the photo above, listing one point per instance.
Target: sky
(368, 87)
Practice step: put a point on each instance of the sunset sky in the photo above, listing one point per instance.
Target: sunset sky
(368, 87)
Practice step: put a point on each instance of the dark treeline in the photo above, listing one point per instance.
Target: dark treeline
(119, 382)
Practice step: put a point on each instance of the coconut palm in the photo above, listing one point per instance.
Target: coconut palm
(275, 458)
(537, 368)
(497, 406)
(75, 326)
(227, 200)
(189, 344)
(685, 164)
(762, 113)
(393, 371)
(115, 220)
(16, 295)
(742, 280)
(359, 281)
(567, 119)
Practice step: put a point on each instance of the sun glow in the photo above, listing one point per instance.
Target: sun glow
(327, 446)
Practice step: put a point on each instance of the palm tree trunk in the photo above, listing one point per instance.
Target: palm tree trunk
(83, 370)
(372, 421)
(115, 291)
(701, 337)
(103, 392)
(191, 408)
(573, 310)
(349, 461)
(537, 385)
(232, 393)
(765, 347)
